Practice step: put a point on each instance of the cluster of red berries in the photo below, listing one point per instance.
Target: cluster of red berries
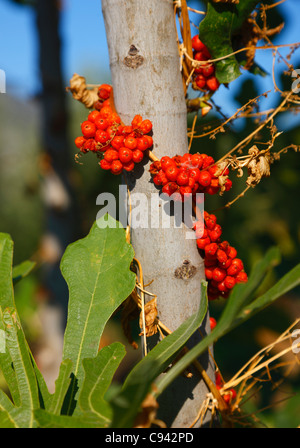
(119, 147)
(204, 75)
(230, 395)
(223, 270)
(188, 174)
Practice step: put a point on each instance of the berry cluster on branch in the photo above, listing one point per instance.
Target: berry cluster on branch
(189, 174)
(223, 270)
(204, 75)
(118, 146)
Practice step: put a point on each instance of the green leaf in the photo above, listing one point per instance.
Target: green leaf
(126, 404)
(17, 347)
(99, 372)
(243, 293)
(22, 270)
(46, 419)
(287, 283)
(61, 387)
(7, 367)
(9, 411)
(5, 420)
(97, 270)
(6, 285)
(216, 31)
(7, 301)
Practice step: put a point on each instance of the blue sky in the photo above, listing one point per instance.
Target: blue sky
(85, 48)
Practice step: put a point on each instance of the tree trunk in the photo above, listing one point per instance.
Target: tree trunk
(146, 78)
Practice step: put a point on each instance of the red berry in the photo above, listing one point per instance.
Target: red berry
(200, 81)
(229, 282)
(93, 115)
(105, 165)
(166, 162)
(210, 221)
(106, 111)
(197, 160)
(194, 174)
(156, 180)
(113, 119)
(101, 123)
(211, 249)
(200, 56)
(185, 190)
(117, 142)
(137, 120)
(80, 141)
(90, 145)
(149, 140)
(162, 178)
(142, 143)
(231, 252)
(228, 184)
(212, 83)
(128, 166)
(222, 287)
(116, 167)
(219, 381)
(209, 272)
(130, 142)
(127, 130)
(167, 190)
(182, 178)
(219, 275)
(197, 44)
(103, 94)
(224, 245)
(204, 178)
(145, 127)
(172, 173)
(208, 70)
(215, 233)
(125, 155)
(242, 277)
(111, 155)
(101, 136)
(137, 156)
(221, 256)
(212, 322)
(230, 396)
(104, 91)
(88, 129)
(203, 243)
(207, 162)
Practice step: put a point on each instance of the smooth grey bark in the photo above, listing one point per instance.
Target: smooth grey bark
(146, 78)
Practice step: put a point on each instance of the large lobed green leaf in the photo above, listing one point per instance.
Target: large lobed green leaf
(216, 30)
(95, 411)
(97, 270)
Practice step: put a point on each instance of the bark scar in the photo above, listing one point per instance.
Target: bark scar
(185, 271)
(133, 60)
